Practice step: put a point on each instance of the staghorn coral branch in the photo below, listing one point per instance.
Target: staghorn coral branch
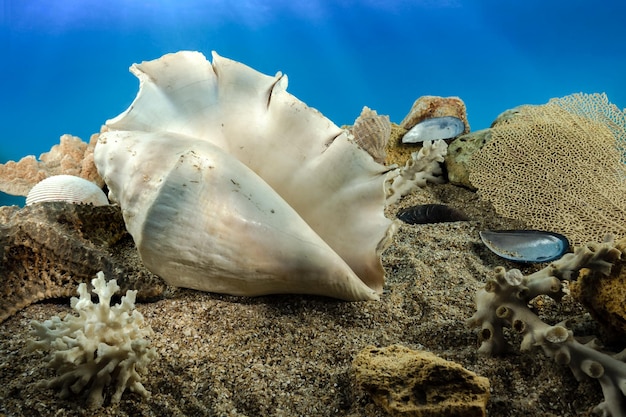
(104, 345)
(504, 302)
(423, 167)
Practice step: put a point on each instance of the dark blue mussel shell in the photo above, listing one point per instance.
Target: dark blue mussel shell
(529, 246)
(430, 213)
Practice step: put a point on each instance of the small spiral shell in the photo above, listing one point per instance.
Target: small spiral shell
(67, 188)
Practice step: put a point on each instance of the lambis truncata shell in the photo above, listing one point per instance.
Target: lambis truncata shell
(229, 184)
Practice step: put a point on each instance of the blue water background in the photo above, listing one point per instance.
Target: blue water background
(64, 63)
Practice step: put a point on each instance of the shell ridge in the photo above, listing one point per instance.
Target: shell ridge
(68, 188)
(276, 87)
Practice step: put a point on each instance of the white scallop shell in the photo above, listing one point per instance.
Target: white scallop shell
(68, 188)
(230, 184)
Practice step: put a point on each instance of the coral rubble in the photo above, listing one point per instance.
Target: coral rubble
(71, 156)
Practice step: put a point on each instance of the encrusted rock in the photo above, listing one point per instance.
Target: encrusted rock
(47, 249)
(508, 115)
(460, 151)
(416, 383)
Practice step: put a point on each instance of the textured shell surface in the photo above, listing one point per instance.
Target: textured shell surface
(446, 127)
(431, 213)
(229, 184)
(68, 188)
(527, 246)
(372, 131)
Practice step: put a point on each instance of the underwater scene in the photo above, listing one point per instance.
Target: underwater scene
(285, 208)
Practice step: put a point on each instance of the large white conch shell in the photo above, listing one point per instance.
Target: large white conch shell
(230, 184)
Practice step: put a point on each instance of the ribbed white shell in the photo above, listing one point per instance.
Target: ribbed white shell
(67, 188)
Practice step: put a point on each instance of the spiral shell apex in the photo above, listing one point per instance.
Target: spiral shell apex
(229, 184)
(68, 188)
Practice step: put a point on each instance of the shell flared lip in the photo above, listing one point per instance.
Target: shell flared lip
(526, 246)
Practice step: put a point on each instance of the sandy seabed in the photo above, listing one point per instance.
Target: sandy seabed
(291, 355)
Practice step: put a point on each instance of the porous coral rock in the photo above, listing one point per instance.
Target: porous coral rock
(46, 249)
(408, 382)
(558, 166)
(505, 301)
(605, 296)
(460, 152)
(71, 156)
(104, 345)
(397, 152)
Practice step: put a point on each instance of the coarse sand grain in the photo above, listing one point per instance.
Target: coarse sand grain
(291, 355)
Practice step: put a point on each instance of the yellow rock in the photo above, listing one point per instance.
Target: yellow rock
(417, 383)
(605, 297)
(396, 151)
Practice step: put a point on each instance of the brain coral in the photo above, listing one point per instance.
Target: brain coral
(559, 166)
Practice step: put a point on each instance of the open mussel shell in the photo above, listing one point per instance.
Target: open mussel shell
(446, 127)
(530, 246)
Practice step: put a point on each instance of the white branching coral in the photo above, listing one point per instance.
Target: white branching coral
(104, 345)
(504, 301)
(424, 166)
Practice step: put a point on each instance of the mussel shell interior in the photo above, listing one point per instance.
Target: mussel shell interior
(446, 127)
(529, 246)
